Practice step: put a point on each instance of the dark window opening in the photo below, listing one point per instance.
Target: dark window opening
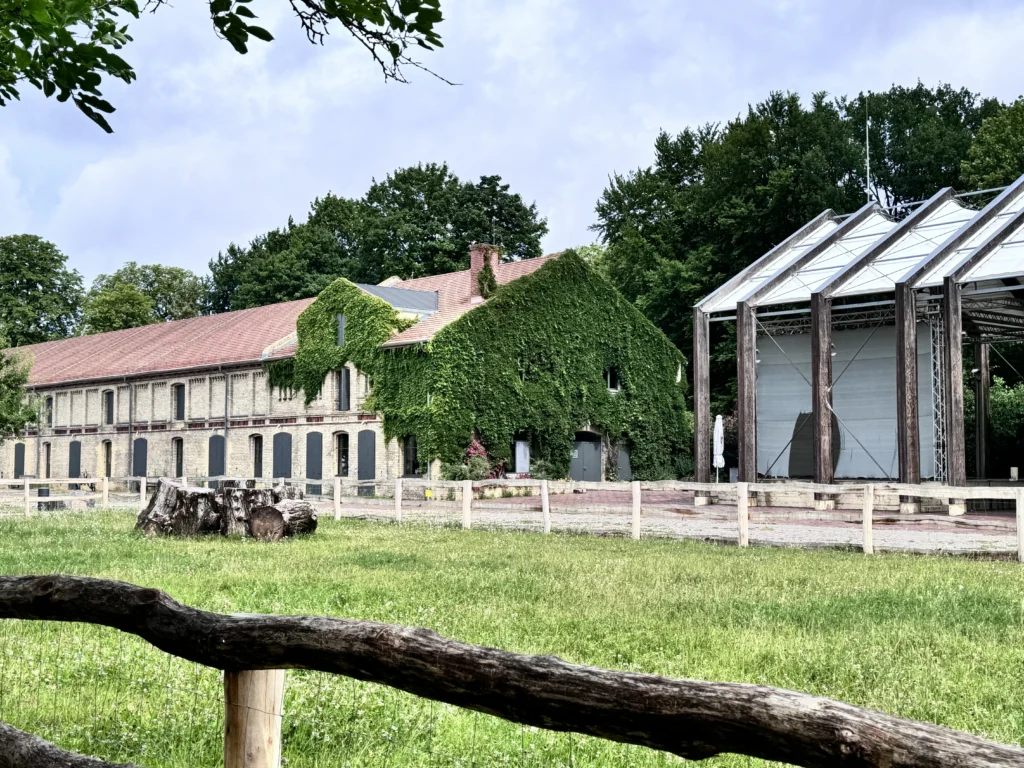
(341, 442)
(108, 458)
(257, 455)
(49, 413)
(46, 460)
(611, 377)
(178, 452)
(218, 456)
(410, 459)
(179, 402)
(108, 407)
(341, 330)
(344, 389)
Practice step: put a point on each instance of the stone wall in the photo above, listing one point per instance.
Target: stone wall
(144, 409)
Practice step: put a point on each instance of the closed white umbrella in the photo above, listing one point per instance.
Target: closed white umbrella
(719, 460)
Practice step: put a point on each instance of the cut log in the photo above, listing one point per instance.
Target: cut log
(282, 492)
(237, 505)
(178, 510)
(19, 749)
(299, 516)
(237, 482)
(267, 524)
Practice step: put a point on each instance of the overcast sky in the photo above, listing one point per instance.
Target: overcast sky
(212, 147)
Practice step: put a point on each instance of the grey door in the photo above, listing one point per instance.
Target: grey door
(367, 460)
(140, 457)
(19, 460)
(282, 454)
(625, 469)
(586, 458)
(314, 461)
(217, 460)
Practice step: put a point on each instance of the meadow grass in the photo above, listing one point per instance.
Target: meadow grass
(930, 638)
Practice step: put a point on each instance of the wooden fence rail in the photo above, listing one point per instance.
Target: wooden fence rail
(689, 718)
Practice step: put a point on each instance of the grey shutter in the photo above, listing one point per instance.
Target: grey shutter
(314, 461)
(217, 458)
(140, 455)
(75, 459)
(19, 460)
(108, 401)
(283, 454)
(367, 457)
(179, 402)
(179, 457)
(257, 456)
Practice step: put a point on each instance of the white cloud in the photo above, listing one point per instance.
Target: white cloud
(14, 217)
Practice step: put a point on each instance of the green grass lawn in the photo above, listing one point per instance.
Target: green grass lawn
(930, 638)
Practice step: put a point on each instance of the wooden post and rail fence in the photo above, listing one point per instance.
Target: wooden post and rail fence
(743, 493)
(689, 718)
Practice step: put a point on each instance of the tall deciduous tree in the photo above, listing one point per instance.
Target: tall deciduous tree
(418, 221)
(16, 412)
(66, 47)
(996, 158)
(175, 293)
(120, 306)
(40, 298)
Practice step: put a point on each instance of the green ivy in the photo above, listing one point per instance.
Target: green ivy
(531, 361)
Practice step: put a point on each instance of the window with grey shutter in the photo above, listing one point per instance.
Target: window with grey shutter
(341, 330)
(344, 389)
(108, 406)
(179, 402)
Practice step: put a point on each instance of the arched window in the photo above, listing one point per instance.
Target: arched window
(282, 454)
(178, 401)
(140, 457)
(49, 411)
(217, 462)
(256, 446)
(108, 458)
(108, 406)
(178, 456)
(341, 454)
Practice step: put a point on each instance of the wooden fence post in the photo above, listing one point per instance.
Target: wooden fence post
(28, 503)
(337, 498)
(867, 516)
(545, 506)
(743, 515)
(635, 485)
(105, 500)
(398, 500)
(142, 492)
(253, 710)
(1020, 526)
(467, 503)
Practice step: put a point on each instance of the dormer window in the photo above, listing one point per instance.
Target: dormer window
(341, 330)
(611, 377)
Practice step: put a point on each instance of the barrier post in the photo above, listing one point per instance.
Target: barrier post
(867, 518)
(743, 515)
(1020, 526)
(337, 498)
(545, 506)
(28, 502)
(467, 503)
(253, 710)
(398, 499)
(142, 492)
(105, 501)
(635, 485)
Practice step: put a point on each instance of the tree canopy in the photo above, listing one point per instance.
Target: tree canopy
(418, 221)
(66, 47)
(997, 156)
(175, 293)
(116, 308)
(40, 298)
(16, 412)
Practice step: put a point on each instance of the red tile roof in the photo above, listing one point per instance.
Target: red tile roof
(233, 337)
(228, 338)
(454, 297)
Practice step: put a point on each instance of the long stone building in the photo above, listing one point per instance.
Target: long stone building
(194, 398)
(191, 397)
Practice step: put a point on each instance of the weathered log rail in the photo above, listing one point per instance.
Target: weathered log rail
(692, 719)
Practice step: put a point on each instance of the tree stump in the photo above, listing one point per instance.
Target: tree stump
(237, 482)
(237, 505)
(267, 524)
(178, 510)
(299, 516)
(282, 492)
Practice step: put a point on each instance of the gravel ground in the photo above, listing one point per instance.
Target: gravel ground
(703, 523)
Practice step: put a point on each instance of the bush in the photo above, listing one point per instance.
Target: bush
(541, 469)
(475, 468)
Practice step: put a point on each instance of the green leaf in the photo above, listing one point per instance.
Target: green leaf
(95, 116)
(244, 11)
(218, 7)
(49, 88)
(259, 33)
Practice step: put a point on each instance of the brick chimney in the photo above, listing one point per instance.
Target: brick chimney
(480, 254)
